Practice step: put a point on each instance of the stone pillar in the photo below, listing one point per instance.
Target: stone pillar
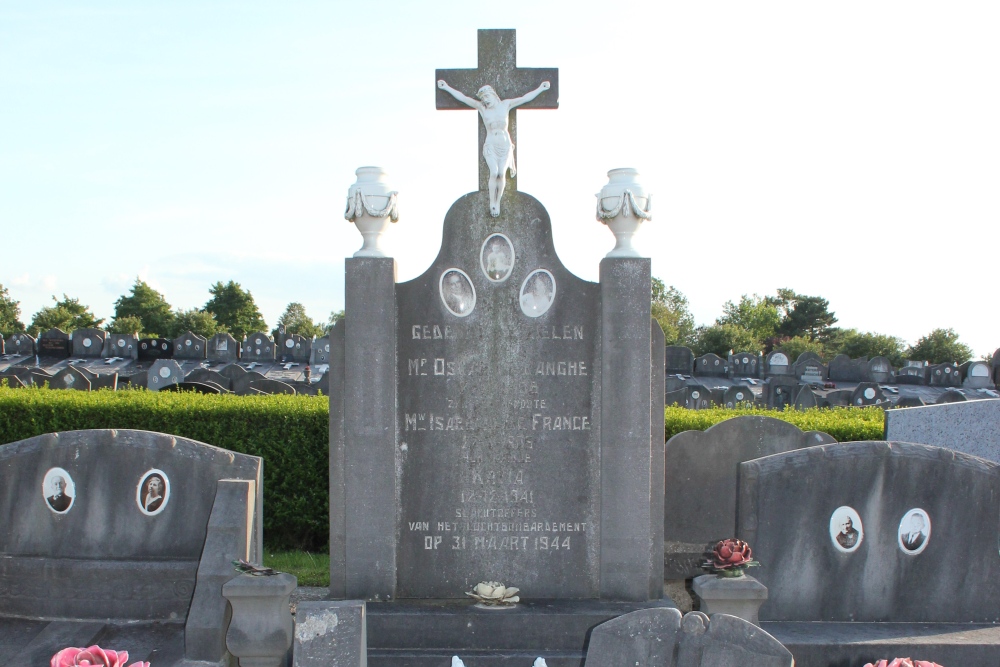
(260, 632)
(736, 596)
(369, 405)
(657, 442)
(338, 496)
(626, 459)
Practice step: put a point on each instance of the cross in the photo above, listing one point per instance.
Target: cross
(498, 67)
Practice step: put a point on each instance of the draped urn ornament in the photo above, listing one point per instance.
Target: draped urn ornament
(371, 205)
(622, 205)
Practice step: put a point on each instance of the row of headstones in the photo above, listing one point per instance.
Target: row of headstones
(786, 391)
(95, 343)
(811, 369)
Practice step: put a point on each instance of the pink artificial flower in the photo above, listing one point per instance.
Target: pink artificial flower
(903, 662)
(94, 656)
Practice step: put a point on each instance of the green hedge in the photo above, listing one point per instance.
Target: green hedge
(844, 424)
(289, 432)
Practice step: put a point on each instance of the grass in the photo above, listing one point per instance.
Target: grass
(312, 569)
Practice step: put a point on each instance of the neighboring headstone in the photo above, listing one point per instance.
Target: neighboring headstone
(233, 372)
(810, 371)
(970, 427)
(951, 396)
(198, 387)
(190, 346)
(223, 348)
(242, 382)
(805, 399)
(867, 393)
(711, 365)
(330, 634)
(845, 369)
(664, 638)
(151, 349)
(777, 363)
(912, 372)
(839, 398)
(257, 347)
(320, 351)
(208, 376)
(19, 344)
(295, 348)
(88, 342)
(976, 374)
(702, 481)
(779, 391)
(691, 396)
(995, 365)
(879, 370)
(883, 532)
(70, 377)
(125, 346)
(737, 396)
(680, 359)
(744, 365)
(944, 375)
(54, 343)
(269, 386)
(908, 401)
(162, 373)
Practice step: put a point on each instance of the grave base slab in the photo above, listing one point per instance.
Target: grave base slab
(828, 644)
(421, 633)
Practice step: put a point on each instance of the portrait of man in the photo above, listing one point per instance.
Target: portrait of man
(457, 293)
(537, 294)
(914, 530)
(58, 490)
(153, 492)
(845, 529)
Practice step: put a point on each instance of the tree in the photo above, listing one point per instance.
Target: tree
(757, 315)
(797, 345)
(670, 308)
(10, 312)
(803, 315)
(128, 324)
(149, 306)
(866, 344)
(335, 316)
(68, 315)
(196, 321)
(939, 346)
(295, 321)
(234, 308)
(721, 339)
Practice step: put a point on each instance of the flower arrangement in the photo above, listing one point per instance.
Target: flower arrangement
(494, 594)
(730, 558)
(94, 656)
(903, 662)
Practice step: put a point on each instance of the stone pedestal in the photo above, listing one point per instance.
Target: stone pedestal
(260, 632)
(736, 596)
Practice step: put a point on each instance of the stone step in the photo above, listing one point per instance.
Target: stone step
(439, 658)
(458, 626)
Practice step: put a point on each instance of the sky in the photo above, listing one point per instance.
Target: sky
(847, 150)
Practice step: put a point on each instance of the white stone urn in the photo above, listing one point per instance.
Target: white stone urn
(371, 205)
(622, 205)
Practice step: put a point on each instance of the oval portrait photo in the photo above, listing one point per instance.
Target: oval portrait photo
(538, 291)
(153, 492)
(457, 292)
(496, 258)
(846, 531)
(58, 490)
(914, 531)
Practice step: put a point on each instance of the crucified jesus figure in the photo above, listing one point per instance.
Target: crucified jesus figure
(498, 150)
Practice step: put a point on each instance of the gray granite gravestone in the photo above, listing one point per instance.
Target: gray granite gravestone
(844, 369)
(88, 342)
(867, 393)
(779, 391)
(944, 375)
(151, 349)
(665, 638)
(810, 371)
(971, 427)
(777, 363)
(163, 373)
(879, 370)
(54, 343)
(679, 359)
(190, 346)
(330, 634)
(208, 376)
(70, 377)
(744, 365)
(294, 347)
(951, 396)
(123, 346)
(19, 344)
(805, 399)
(995, 365)
(223, 348)
(320, 351)
(257, 347)
(242, 382)
(702, 481)
(123, 538)
(976, 374)
(269, 386)
(711, 365)
(738, 395)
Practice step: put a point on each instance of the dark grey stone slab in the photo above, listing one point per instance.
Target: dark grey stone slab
(779, 391)
(951, 396)
(151, 349)
(293, 347)
(665, 637)
(70, 377)
(944, 375)
(867, 393)
(657, 444)
(223, 348)
(711, 365)
(125, 346)
(56, 636)
(738, 395)
(844, 369)
(88, 342)
(810, 371)
(19, 345)
(679, 359)
(269, 386)
(702, 481)
(242, 382)
(777, 363)
(199, 387)
(257, 347)
(976, 374)
(208, 376)
(319, 352)
(745, 365)
(338, 493)
(330, 634)
(806, 399)
(190, 346)
(832, 524)
(54, 343)
(971, 427)
(879, 370)
(163, 373)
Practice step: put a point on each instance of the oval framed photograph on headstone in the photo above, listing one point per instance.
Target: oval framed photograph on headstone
(58, 490)
(914, 531)
(846, 530)
(496, 258)
(457, 292)
(152, 493)
(538, 292)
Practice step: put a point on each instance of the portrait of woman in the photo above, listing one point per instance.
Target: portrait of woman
(538, 291)
(457, 292)
(153, 492)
